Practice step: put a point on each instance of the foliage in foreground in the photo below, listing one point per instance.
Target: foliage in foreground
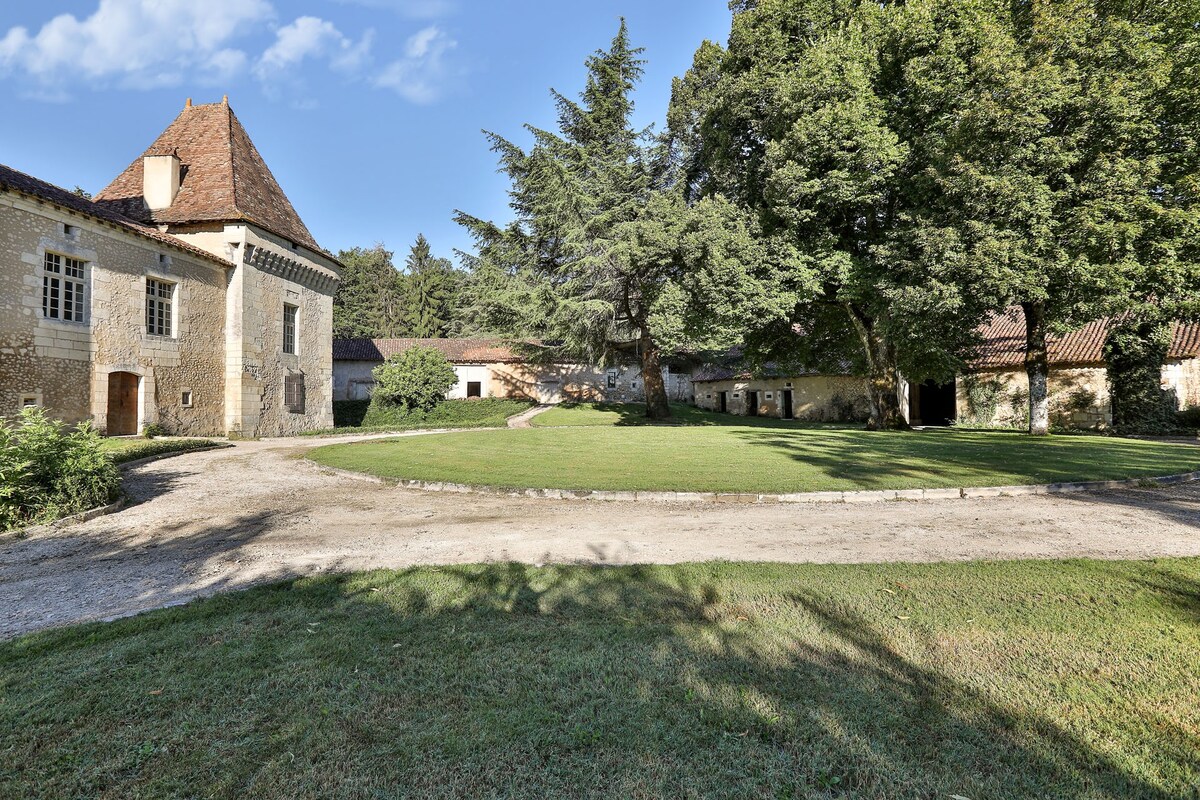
(984, 680)
(48, 471)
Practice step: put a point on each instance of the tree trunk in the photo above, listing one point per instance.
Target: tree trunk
(1037, 367)
(882, 375)
(657, 406)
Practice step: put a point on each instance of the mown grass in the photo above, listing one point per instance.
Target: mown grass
(988, 680)
(356, 416)
(592, 414)
(130, 449)
(770, 457)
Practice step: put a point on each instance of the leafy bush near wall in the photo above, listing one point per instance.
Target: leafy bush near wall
(349, 413)
(983, 400)
(48, 471)
(1135, 354)
(1189, 419)
(415, 380)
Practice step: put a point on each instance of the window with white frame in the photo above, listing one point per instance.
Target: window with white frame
(63, 288)
(290, 316)
(160, 301)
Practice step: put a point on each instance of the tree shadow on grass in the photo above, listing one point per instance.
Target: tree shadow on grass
(509, 681)
(941, 458)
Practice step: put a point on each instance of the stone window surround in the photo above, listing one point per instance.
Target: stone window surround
(161, 274)
(65, 245)
(33, 394)
(187, 398)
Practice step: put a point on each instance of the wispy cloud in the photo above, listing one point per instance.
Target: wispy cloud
(421, 75)
(137, 44)
(309, 38)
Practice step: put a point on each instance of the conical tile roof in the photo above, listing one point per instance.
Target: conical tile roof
(224, 178)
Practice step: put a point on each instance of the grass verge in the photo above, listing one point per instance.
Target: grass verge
(770, 458)
(123, 450)
(1008, 680)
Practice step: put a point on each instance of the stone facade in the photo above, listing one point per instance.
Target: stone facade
(65, 365)
(198, 300)
(815, 398)
(1078, 397)
(272, 273)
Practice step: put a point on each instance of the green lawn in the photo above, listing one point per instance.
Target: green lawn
(771, 457)
(131, 449)
(988, 680)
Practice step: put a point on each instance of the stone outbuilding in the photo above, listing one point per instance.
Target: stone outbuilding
(494, 368)
(188, 294)
(995, 390)
(803, 396)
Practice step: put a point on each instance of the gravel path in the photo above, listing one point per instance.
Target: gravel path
(226, 519)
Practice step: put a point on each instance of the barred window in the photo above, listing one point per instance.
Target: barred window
(160, 297)
(290, 316)
(293, 393)
(62, 288)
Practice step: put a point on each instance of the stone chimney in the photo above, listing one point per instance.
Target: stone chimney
(160, 180)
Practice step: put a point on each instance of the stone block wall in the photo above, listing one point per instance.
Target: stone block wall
(65, 365)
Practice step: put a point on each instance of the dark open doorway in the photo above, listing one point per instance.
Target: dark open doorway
(785, 403)
(752, 403)
(474, 388)
(122, 404)
(935, 403)
(724, 402)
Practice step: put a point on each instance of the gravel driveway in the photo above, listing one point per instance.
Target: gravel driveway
(226, 519)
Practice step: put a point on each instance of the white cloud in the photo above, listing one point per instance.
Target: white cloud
(311, 37)
(134, 43)
(421, 74)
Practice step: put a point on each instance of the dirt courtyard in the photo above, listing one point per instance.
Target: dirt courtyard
(227, 519)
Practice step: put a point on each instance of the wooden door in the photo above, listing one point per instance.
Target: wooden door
(122, 404)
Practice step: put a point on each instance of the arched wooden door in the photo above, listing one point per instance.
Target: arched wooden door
(122, 404)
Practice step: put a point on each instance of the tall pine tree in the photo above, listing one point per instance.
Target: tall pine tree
(431, 292)
(605, 255)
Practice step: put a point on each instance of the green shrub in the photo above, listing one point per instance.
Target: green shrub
(1188, 419)
(1135, 354)
(48, 471)
(415, 380)
(153, 429)
(349, 413)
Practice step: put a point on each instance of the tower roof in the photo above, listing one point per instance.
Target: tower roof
(224, 179)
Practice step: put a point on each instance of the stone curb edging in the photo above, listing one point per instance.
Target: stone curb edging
(868, 496)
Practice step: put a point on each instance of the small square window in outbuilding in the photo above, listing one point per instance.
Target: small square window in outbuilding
(30, 401)
(768, 395)
(474, 388)
(185, 398)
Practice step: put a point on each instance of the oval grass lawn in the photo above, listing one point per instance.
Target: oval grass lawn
(763, 460)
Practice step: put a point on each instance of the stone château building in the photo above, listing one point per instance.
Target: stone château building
(188, 294)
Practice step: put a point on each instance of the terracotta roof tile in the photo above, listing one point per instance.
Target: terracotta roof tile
(27, 184)
(458, 351)
(1004, 342)
(224, 178)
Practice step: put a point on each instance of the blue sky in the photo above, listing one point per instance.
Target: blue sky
(368, 111)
